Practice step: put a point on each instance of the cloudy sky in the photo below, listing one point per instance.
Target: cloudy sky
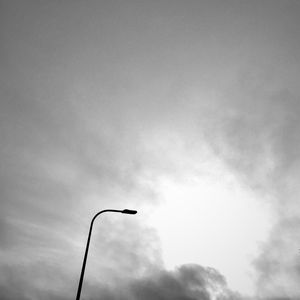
(188, 111)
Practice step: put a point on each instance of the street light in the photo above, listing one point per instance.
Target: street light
(124, 211)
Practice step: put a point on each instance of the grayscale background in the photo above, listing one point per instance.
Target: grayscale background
(188, 111)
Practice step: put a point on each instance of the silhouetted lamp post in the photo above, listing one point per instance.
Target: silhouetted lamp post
(124, 211)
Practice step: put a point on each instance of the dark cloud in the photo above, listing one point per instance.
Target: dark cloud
(188, 282)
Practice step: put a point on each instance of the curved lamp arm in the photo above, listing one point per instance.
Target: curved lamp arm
(124, 211)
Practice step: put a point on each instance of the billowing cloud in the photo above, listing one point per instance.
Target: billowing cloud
(187, 282)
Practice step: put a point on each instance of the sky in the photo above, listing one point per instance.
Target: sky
(187, 111)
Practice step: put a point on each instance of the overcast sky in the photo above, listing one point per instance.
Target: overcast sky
(187, 111)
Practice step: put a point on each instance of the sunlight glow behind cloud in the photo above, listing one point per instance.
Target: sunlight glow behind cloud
(212, 220)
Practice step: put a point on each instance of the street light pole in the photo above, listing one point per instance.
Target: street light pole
(124, 211)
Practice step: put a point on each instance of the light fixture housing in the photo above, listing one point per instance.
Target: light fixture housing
(129, 211)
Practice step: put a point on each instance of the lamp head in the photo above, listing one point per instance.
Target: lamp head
(129, 211)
